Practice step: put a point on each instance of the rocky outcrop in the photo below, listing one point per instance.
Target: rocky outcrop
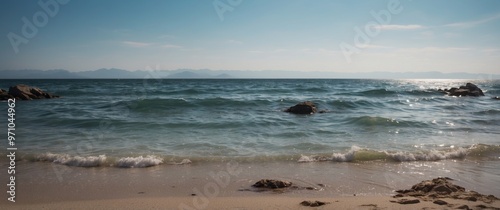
(25, 92)
(272, 184)
(306, 107)
(4, 95)
(433, 190)
(468, 90)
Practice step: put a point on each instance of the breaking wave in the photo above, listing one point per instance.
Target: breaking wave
(139, 162)
(65, 159)
(358, 154)
(103, 160)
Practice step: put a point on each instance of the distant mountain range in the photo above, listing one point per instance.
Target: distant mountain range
(228, 74)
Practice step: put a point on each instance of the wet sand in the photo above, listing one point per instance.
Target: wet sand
(228, 185)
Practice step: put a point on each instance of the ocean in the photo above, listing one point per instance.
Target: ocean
(142, 123)
(207, 120)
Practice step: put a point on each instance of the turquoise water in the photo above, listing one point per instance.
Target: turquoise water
(140, 123)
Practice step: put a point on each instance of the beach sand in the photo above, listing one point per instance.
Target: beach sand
(228, 185)
(251, 202)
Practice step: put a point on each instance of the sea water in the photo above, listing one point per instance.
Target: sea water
(141, 123)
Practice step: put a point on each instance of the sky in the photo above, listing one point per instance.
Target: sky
(320, 35)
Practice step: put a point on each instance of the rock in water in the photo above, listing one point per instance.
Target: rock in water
(468, 90)
(4, 95)
(306, 107)
(25, 92)
(272, 184)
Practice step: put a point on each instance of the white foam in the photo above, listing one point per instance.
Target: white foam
(307, 159)
(345, 157)
(139, 162)
(65, 159)
(433, 155)
(184, 162)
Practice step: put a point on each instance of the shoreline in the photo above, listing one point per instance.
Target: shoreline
(228, 184)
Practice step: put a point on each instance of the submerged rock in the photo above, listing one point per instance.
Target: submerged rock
(468, 90)
(306, 107)
(4, 95)
(25, 92)
(272, 184)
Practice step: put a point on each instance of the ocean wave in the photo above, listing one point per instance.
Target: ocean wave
(356, 154)
(382, 121)
(488, 112)
(355, 104)
(139, 162)
(105, 161)
(425, 92)
(65, 159)
(433, 155)
(376, 93)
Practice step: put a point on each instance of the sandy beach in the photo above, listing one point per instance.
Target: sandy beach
(218, 186)
(253, 202)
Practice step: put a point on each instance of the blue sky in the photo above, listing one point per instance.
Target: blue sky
(446, 36)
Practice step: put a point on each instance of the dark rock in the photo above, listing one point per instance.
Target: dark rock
(313, 203)
(443, 188)
(306, 107)
(25, 92)
(272, 184)
(4, 95)
(472, 199)
(405, 191)
(398, 196)
(463, 207)
(440, 202)
(468, 90)
(407, 201)
(496, 98)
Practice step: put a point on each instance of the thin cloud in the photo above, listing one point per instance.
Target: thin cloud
(468, 24)
(434, 50)
(137, 44)
(171, 46)
(269, 51)
(398, 27)
(372, 46)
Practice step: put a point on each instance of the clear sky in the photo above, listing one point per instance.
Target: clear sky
(304, 35)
